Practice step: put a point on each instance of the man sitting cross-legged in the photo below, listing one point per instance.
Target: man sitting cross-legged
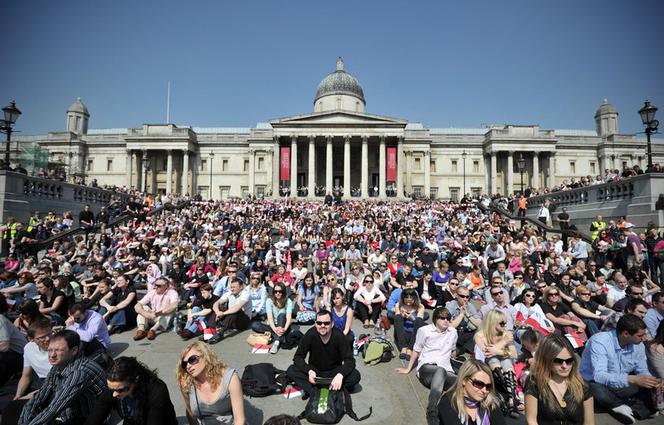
(330, 356)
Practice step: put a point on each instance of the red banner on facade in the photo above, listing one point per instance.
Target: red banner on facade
(285, 163)
(391, 164)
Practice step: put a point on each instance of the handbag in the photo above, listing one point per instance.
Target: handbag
(259, 339)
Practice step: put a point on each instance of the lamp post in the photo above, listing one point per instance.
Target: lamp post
(11, 113)
(463, 156)
(521, 165)
(211, 155)
(648, 118)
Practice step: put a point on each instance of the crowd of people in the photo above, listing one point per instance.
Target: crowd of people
(495, 318)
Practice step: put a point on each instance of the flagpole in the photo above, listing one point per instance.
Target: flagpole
(168, 104)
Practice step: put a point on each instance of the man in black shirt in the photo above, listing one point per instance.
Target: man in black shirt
(86, 219)
(330, 356)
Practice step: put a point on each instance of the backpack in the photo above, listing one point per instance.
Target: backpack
(378, 350)
(292, 339)
(263, 379)
(326, 406)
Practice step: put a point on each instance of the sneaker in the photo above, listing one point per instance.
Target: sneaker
(624, 414)
(275, 347)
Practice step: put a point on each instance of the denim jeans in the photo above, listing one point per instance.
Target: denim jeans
(637, 398)
(437, 380)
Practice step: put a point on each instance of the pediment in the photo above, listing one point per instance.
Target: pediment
(339, 118)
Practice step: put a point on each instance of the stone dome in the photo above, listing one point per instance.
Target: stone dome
(340, 82)
(605, 108)
(78, 106)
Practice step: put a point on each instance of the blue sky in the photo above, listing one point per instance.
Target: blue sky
(235, 63)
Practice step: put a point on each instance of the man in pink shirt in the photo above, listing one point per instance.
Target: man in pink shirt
(155, 309)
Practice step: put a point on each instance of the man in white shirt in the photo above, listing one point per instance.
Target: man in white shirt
(35, 359)
(12, 342)
(617, 291)
(232, 310)
(155, 309)
(433, 348)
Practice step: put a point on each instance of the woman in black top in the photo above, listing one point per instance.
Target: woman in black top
(472, 399)
(137, 395)
(52, 302)
(555, 392)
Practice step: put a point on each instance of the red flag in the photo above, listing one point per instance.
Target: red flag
(285, 163)
(391, 165)
(575, 340)
(532, 322)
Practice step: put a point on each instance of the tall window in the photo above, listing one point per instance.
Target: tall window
(454, 194)
(245, 167)
(593, 167)
(109, 165)
(224, 165)
(261, 163)
(90, 163)
(432, 164)
(203, 164)
(455, 168)
(476, 166)
(572, 167)
(418, 164)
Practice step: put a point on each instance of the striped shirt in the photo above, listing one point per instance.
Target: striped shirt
(69, 393)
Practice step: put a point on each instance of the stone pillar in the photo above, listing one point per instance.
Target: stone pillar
(535, 180)
(139, 169)
(346, 167)
(153, 171)
(493, 173)
(275, 167)
(365, 167)
(552, 169)
(185, 171)
(510, 173)
(400, 167)
(252, 172)
(328, 165)
(427, 174)
(130, 165)
(144, 170)
(311, 181)
(293, 167)
(169, 172)
(408, 163)
(381, 168)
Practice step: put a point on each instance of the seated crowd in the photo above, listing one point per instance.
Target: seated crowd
(495, 319)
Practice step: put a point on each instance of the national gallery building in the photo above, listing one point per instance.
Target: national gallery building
(339, 147)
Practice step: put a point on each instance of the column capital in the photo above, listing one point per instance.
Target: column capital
(510, 152)
(365, 138)
(312, 138)
(382, 139)
(185, 152)
(347, 138)
(252, 151)
(293, 138)
(275, 139)
(493, 154)
(535, 154)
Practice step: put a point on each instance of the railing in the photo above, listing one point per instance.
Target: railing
(37, 187)
(536, 223)
(36, 246)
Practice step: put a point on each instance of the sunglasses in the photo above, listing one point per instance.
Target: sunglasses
(480, 385)
(160, 286)
(323, 323)
(583, 294)
(368, 281)
(192, 360)
(503, 323)
(518, 277)
(553, 294)
(463, 296)
(558, 361)
(493, 294)
(445, 318)
(278, 291)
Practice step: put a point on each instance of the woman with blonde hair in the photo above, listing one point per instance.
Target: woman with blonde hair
(211, 390)
(472, 399)
(554, 390)
(494, 344)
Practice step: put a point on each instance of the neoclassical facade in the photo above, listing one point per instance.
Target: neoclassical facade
(341, 146)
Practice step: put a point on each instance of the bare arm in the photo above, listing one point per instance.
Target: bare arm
(237, 400)
(23, 383)
(531, 410)
(588, 412)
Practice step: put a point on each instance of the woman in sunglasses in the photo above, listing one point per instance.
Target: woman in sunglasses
(136, 394)
(472, 399)
(408, 318)
(369, 301)
(279, 309)
(494, 344)
(211, 390)
(529, 308)
(555, 391)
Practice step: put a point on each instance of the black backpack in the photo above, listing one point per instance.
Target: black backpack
(292, 339)
(326, 406)
(263, 379)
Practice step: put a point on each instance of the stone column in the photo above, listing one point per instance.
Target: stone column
(293, 167)
(535, 180)
(275, 167)
(144, 170)
(494, 173)
(139, 169)
(328, 165)
(487, 174)
(153, 171)
(408, 163)
(169, 172)
(185, 171)
(427, 173)
(130, 165)
(381, 168)
(365, 167)
(510, 172)
(252, 172)
(311, 182)
(346, 167)
(552, 169)
(400, 157)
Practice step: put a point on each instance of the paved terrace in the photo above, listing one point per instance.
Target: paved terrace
(396, 399)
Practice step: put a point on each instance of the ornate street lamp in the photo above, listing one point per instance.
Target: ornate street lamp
(648, 118)
(521, 165)
(463, 155)
(11, 113)
(211, 155)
